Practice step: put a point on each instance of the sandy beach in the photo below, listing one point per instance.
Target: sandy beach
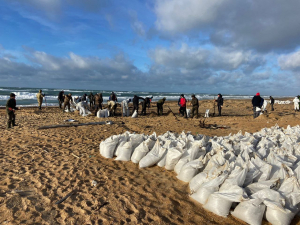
(40, 167)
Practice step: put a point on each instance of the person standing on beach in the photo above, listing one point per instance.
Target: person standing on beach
(10, 110)
(40, 97)
(67, 101)
(98, 102)
(182, 104)
(159, 105)
(195, 105)
(125, 107)
(219, 101)
(92, 99)
(256, 103)
(296, 103)
(83, 98)
(272, 103)
(135, 102)
(61, 98)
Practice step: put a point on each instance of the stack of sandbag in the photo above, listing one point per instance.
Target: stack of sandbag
(253, 176)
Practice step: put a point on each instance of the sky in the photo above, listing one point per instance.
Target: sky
(200, 46)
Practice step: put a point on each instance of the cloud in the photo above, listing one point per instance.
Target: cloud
(261, 25)
(290, 61)
(137, 26)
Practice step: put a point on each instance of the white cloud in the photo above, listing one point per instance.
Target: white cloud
(290, 61)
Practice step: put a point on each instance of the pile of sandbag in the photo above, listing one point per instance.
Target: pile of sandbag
(283, 102)
(251, 176)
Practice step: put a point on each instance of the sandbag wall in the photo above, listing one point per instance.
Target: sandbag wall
(256, 175)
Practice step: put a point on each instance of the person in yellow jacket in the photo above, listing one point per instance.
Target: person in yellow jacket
(40, 97)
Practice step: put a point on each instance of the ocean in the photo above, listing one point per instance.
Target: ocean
(27, 96)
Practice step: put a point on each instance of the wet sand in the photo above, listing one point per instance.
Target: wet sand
(40, 167)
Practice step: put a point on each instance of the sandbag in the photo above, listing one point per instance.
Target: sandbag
(108, 147)
(180, 164)
(153, 156)
(279, 217)
(139, 152)
(250, 211)
(125, 152)
(197, 181)
(162, 161)
(236, 177)
(135, 114)
(173, 157)
(189, 170)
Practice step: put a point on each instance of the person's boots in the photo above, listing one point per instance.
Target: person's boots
(14, 124)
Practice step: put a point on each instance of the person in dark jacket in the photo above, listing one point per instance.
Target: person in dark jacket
(98, 102)
(135, 102)
(83, 98)
(272, 103)
(92, 99)
(219, 101)
(61, 98)
(10, 110)
(195, 105)
(159, 105)
(182, 104)
(256, 103)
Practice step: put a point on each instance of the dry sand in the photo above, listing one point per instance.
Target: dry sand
(38, 168)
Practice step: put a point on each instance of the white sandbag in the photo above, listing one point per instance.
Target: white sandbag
(208, 188)
(135, 114)
(250, 211)
(220, 202)
(252, 173)
(189, 170)
(108, 147)
(153, 156)
(188, 113)
(162, 161)
(197, 181)
(258, 186)
(102, 113)
(125, 152)
(173, 157)
(279, 217)
(180, 164)
(236, 177)
(136, 140)
(140, 152)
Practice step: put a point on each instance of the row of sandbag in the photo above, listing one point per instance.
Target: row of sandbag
(227, 161)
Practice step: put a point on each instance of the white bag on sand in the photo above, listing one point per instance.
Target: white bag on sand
(153, 156)
(258, 186)
(197, 181)
(173, 157)
(236, 177)
(188, 113)
(107, 147)
(162, 162)
(189, 170)
(208, 188)
(250, 211)
(220, 202)
(180, 164)
(136, 140)
(139, 152)
(135, 114)
(102, 113)
(279, 217)
(125, 152)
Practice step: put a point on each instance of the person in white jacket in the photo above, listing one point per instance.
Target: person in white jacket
(296, 103)
(125, 107)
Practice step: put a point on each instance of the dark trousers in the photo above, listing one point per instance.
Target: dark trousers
(11, 119)
(195, 111)
(135, 107)
(159, 108)
(272, 107)
(219, 109)
(97, 107)
(60, 103)
(182, 111)
(143, 109)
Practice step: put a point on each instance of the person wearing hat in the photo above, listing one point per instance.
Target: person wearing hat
(195, 106)
(182, 104)
(219, 101)
(10, 110)
(256, 103)
(40, 97)
(67, 100)
(159, 105)
(61, 98)
(98, 102)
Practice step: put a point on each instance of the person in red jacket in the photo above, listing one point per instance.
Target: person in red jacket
(182, 104)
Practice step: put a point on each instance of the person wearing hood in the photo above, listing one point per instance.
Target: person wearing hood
(125, 106)
(135, 102)
(159, 105)
(256, 103)
(40, 97)
(61, 98)
(296, 103)
(219, 101)
(98, 102)
(182, 104)
(272, 101)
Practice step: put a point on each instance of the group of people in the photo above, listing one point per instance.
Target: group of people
(259, 105)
